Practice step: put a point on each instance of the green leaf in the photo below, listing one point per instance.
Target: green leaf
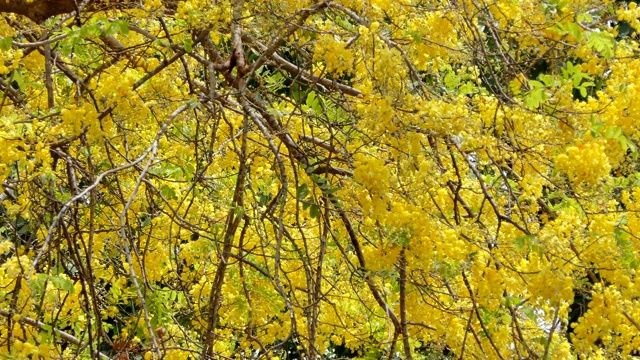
(623, 143)
(540, 340)
(20, 78)
(313, 102)
(617, 133)
(343, 22)
(314, 211)
(522, 241)
(512, 300)
(467, 88)
(602, 42)
(403, 238)
(193, 103)
(318, 179)
(633, 147)
(145, 220)
(451, 80)
(569, 66)
(415, 35)
(548, 80)
(123, 26)
(584, 17)
(90, 30)
(529, 313)
(302, 191)
(583, 92)
(188, 45)
(62, 284)
(575, 30)
(332, 190)
(5, 43)
(189, 171)
(534, 98)
(535, 84)
(239, 211)
(608, 133)
(37, 283)
(168, 192)
(311, 99)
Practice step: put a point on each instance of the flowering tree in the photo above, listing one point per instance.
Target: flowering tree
(319, 179)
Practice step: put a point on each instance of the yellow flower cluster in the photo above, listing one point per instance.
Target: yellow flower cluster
(585, 163)
(547, 285)
(9, 60)
(603, 319)
(76, 117)
(338, 59)
(630, 15)
(201, 13)
(372, 173)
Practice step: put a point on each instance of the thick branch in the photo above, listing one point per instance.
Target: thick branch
(41, 10)
(63, 335)
(304, 74)
(38, 11)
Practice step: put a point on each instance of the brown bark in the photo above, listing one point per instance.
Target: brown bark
(41, 10)
(38, 10)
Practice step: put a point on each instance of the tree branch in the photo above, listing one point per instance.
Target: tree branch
(63, 335)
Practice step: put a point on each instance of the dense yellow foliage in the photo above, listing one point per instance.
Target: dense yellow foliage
(235, 179)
